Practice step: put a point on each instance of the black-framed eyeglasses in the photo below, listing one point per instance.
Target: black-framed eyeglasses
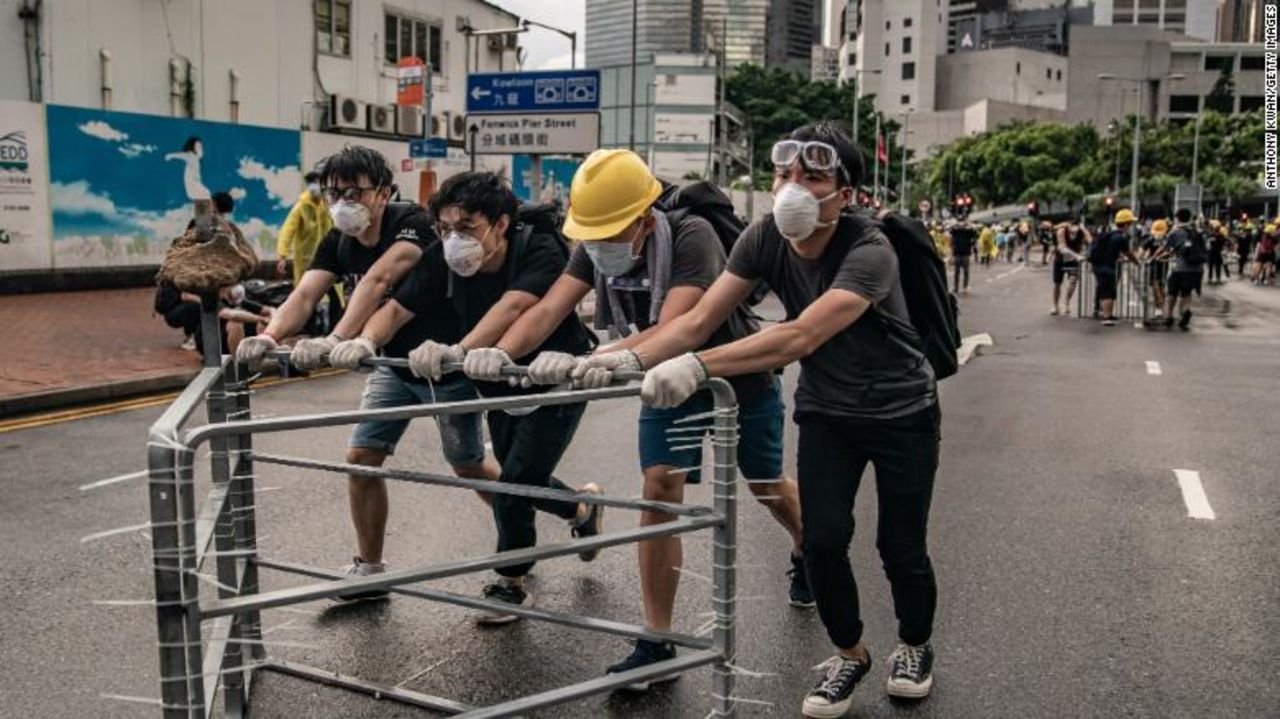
(348, 194)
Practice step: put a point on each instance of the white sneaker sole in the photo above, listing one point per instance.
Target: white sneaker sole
(909, 690)
(497, 620)
(824, 710)
(648, 684)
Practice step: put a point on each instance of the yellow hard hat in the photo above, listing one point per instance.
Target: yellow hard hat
(1269, 229)
(1023, 228)
(609, 191)
(1125, 215)
(1160, 228)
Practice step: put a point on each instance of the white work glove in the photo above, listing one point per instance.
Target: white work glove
(485, 364)
(672, 382)
(596, 371)
(309, 354)
(427, 360)
(347, 355)
(551, 368)
(253, 350)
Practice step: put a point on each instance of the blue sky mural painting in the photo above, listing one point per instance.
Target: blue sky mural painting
(557, 175)
(121, 185)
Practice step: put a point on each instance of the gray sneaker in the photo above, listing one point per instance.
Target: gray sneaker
(505, 593)
(361, 568)
(590, 525)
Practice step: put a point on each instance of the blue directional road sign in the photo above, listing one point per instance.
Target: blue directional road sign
(549, 91)
(429, 147)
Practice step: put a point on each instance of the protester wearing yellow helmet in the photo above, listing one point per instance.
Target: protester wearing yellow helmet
(649, 265)
(1156, 268)
(1217, 241)
(1104, 257)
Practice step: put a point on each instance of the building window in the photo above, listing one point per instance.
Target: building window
(333, 27)
(1219, 62)
(908, 71)
(1059, 75)
(411, 37)
(906, 99)
(886, 49)
(1249, 103)
(1184, 103)
(888, 24)
(906, 22)
(906, 46)
(1250, 62)
(853, 59)
(1048, 74)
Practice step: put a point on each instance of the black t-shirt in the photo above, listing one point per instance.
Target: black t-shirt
(962, 240)
(424, 293)
(864, 371)
(534, 261)
(1107, 250)
(1217, 244)
(348, 260)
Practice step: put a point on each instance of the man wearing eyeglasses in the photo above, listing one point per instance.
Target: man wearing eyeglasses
(866, 394)
(373, 246)
(647, 267)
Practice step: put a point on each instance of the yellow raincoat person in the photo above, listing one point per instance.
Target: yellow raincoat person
(307, 224)
(987, 243)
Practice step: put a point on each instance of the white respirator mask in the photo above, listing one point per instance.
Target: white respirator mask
(796, 210)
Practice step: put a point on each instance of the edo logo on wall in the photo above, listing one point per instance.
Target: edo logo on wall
(15, 164)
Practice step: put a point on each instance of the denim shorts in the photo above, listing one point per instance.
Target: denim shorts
(460, 434)
(760, 424)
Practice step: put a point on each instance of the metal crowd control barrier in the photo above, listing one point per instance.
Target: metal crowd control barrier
(207, 644)
(1133, 292)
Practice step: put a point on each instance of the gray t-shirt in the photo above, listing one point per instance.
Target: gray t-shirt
(867, 370)
(697, 259)
(1178, 240)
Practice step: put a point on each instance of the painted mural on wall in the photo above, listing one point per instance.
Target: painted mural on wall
(557, 175)
(121, 185)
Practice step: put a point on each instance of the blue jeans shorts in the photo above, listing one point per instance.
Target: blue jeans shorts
(760, 424)
(460, 434)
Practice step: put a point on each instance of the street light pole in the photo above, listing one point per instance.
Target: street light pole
(1137, 141)
(902, 190)
(635, 12)
(571, 34)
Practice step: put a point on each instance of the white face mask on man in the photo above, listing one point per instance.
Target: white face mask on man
(463, 253)
(796, 210)
(351, 218)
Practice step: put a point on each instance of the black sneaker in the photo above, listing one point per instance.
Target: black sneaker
(591, 525)
(832, 695)
(361, 568)
(1184, 323)
(911, 671)
(1168, 322)
(506, 593)
(801, 595)
(646, 653)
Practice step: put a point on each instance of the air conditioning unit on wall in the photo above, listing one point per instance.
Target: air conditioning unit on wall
(410, 121)
(382, 118)
(457, 126)
(347, 113)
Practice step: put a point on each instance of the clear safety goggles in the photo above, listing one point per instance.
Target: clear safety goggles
(813, 155)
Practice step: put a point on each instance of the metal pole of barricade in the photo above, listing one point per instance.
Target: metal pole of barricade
(725, 551)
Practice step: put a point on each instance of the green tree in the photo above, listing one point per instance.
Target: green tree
(1221, 98)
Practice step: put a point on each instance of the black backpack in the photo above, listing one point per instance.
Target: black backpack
(1192, 250)
(709, 202)
(933, 308)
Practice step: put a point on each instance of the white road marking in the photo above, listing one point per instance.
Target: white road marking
(969, 345)
(1193, 494)
(1153, 367)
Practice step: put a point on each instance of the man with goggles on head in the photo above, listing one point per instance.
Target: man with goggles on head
(866, 394)
(373, 246)
(648, 266)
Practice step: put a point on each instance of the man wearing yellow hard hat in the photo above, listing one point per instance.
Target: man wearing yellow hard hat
(1156, 268)
(865, 395)
(649, 265)
(1105, 256)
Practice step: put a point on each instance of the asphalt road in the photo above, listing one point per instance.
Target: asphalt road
(1072, 580)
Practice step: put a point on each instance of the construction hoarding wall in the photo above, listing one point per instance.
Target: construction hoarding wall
(24, 188)
(122, 185)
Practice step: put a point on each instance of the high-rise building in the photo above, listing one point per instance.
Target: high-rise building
(791, 33)
(826, 64)
(1240, 21)
(894, 52)
(1194, 18)
(661, 26)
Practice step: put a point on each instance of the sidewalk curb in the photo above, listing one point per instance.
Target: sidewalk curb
(74, 396)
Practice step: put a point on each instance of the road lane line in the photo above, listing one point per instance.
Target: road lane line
(1153, 367)
(969, 345)
(1193, 494)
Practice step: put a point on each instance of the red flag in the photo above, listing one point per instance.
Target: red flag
(880, 151)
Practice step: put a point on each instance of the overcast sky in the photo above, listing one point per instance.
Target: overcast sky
(549, 50)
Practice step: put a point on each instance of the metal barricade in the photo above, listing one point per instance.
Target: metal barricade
(207, 645)
(1133, 297)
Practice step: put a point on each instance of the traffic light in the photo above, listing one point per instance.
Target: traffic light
(1108, 201)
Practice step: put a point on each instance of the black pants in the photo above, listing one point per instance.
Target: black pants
(1216, 266)
(833, 453)
(186, 317)
(1241, 261)
(962, 263)
(528, 448)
